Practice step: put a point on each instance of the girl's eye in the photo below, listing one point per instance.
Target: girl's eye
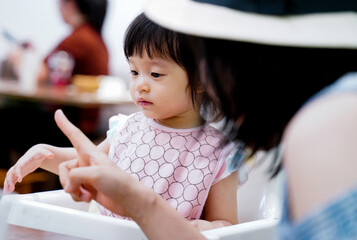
(134, 73)
(156, 75)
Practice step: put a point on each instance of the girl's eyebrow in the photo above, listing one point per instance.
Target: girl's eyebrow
(155, 61)
(159, 62)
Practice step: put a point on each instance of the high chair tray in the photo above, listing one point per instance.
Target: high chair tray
(55, 211)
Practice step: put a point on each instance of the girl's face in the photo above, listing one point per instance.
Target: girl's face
(160, 88)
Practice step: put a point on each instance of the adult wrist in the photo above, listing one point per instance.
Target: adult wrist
(143, 204)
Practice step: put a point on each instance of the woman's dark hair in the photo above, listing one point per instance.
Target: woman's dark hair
(143, 35)
(94, 11)
(265, 85)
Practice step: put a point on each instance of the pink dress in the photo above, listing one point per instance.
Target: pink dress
(179, 164)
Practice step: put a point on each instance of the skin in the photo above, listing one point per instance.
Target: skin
(306, 141)
(116, 190)
(42, 156)
(160, 89)
(73, 17)
(70, 15)
(320, 153)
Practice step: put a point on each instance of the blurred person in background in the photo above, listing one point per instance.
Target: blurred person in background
(84, 45)
(82, 52)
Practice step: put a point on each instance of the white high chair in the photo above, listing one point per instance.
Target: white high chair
(259, 202)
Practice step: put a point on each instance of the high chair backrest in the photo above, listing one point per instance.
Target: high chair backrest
(260, 197)
(259, 202)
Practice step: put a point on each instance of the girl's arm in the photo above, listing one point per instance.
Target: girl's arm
(40, 155)
(64, 154)
(221, 205)
(43, 156)
(56, 156)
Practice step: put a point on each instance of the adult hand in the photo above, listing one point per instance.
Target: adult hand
(94, 175)
(117, 191)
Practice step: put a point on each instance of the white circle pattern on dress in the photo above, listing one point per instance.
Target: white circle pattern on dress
(161, 185)
(137, 165)
(157, 152)
(180, 174)
(124, 164)
(166, 170)
(178, 142)
(171, 155)
(162, 138)
(186, 158)
(148, 136)
(176, 190)
(148, 181)
(190, 193)
(151, 168)
(179, 166)
(201, 162)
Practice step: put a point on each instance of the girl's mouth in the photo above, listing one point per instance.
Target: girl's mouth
(144, 103)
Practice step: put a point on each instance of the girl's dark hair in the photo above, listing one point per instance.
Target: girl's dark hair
(94, 11)
(265, 85)
(143, 35)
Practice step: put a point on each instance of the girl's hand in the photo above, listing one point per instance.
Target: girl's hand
(28, 163)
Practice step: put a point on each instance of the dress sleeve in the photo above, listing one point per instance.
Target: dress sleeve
(115, 123)
(234, 155)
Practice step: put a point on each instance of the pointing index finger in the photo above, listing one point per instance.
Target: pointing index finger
(79, 141)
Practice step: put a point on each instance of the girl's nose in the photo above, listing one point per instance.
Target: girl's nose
(142, 85)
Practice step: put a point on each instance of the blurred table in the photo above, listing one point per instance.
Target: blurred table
(67, 95)
(90, 111)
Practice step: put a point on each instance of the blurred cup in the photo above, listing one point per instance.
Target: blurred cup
(29, 68)
(61, 66)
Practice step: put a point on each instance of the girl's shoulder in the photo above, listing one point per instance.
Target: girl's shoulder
(119, 121)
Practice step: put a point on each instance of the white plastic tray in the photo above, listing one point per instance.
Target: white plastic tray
(259, 207)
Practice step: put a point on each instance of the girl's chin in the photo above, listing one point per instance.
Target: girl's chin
(149, 114)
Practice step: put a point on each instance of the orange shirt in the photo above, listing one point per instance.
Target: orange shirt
(88, 50)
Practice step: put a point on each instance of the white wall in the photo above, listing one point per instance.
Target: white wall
(40, 22)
